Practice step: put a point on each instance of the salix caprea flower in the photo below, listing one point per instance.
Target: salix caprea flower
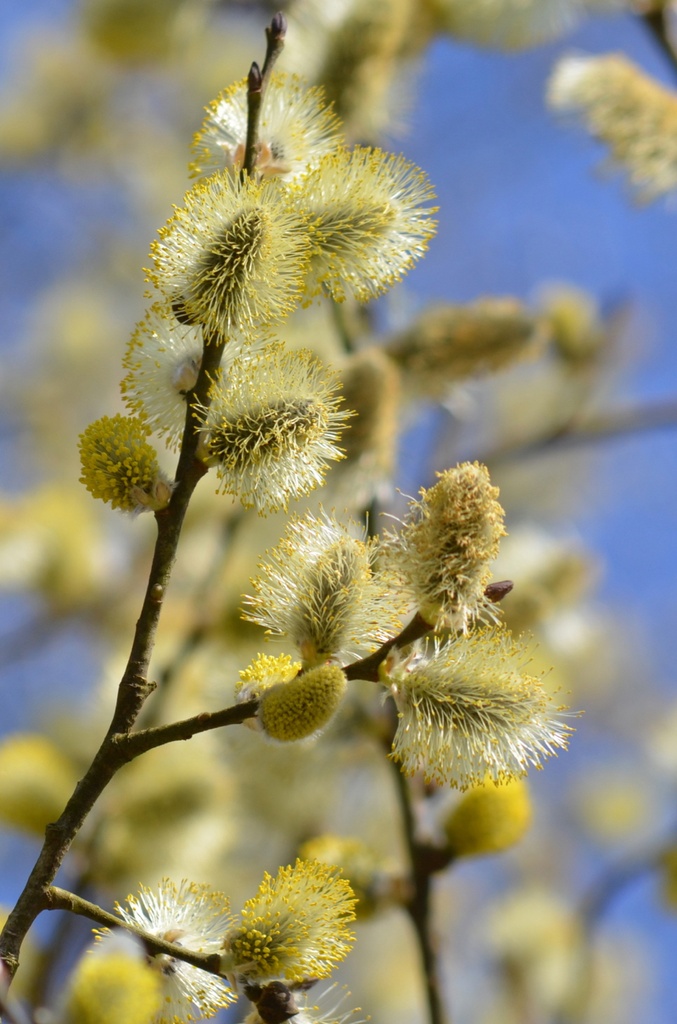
(112, 983)
(302, 707)
(445, 545)
(375, 881)
(194, 916)
(489, 818)
(272, 427)
(295, 129)
(276, 1002)
(516, 24)
(233, 256)
(468, 711)
(120, 466)
(295, 928)
(320, 589)
(266, 670)
(450, 343)
(621, 106)
(163, 361)
(292, 706)
(368, 219)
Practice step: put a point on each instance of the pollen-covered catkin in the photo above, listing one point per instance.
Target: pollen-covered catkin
(272, 427)
(448, 343)
(368, 221)
(489, 818)
(120, 466)
(632, 113)
(296, 129)
(468, 712)
(446, 544)
(320, 589)
(234, 256)
(296, 927)
(303, 707)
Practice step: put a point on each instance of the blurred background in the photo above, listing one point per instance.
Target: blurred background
(100, 100)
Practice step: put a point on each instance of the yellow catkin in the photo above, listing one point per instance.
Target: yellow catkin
(36, 779)
(109, 988)
(295, 710)
(449, 343)
(296, 927)
(632, 113)
(447, 543)
(489, 819)
(370, 879)
(120, 466)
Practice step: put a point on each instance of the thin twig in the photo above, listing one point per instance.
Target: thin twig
(192, 640)
(134, 686)
(61, 899)
(275, 36)
(656, 23)
(137, 743)
(577, 431)
(594, 905)
(257, 82)
(367, 668)
(418, 905)
(343, 331)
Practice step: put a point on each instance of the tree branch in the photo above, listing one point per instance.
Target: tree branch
(589, 429)
(138, 743)
(367, 668)
(257, 82)
(134, 686)
(656, 23)
(61, 899)
(418, 905)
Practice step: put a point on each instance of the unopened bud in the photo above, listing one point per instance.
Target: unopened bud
(255, 79)
(495, 592)
(278, 26)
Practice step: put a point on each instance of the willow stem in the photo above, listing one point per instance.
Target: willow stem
(140, 742)
(656, 23)
(257, 82)
(134, 687)
(418, 905)
(61, 899)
